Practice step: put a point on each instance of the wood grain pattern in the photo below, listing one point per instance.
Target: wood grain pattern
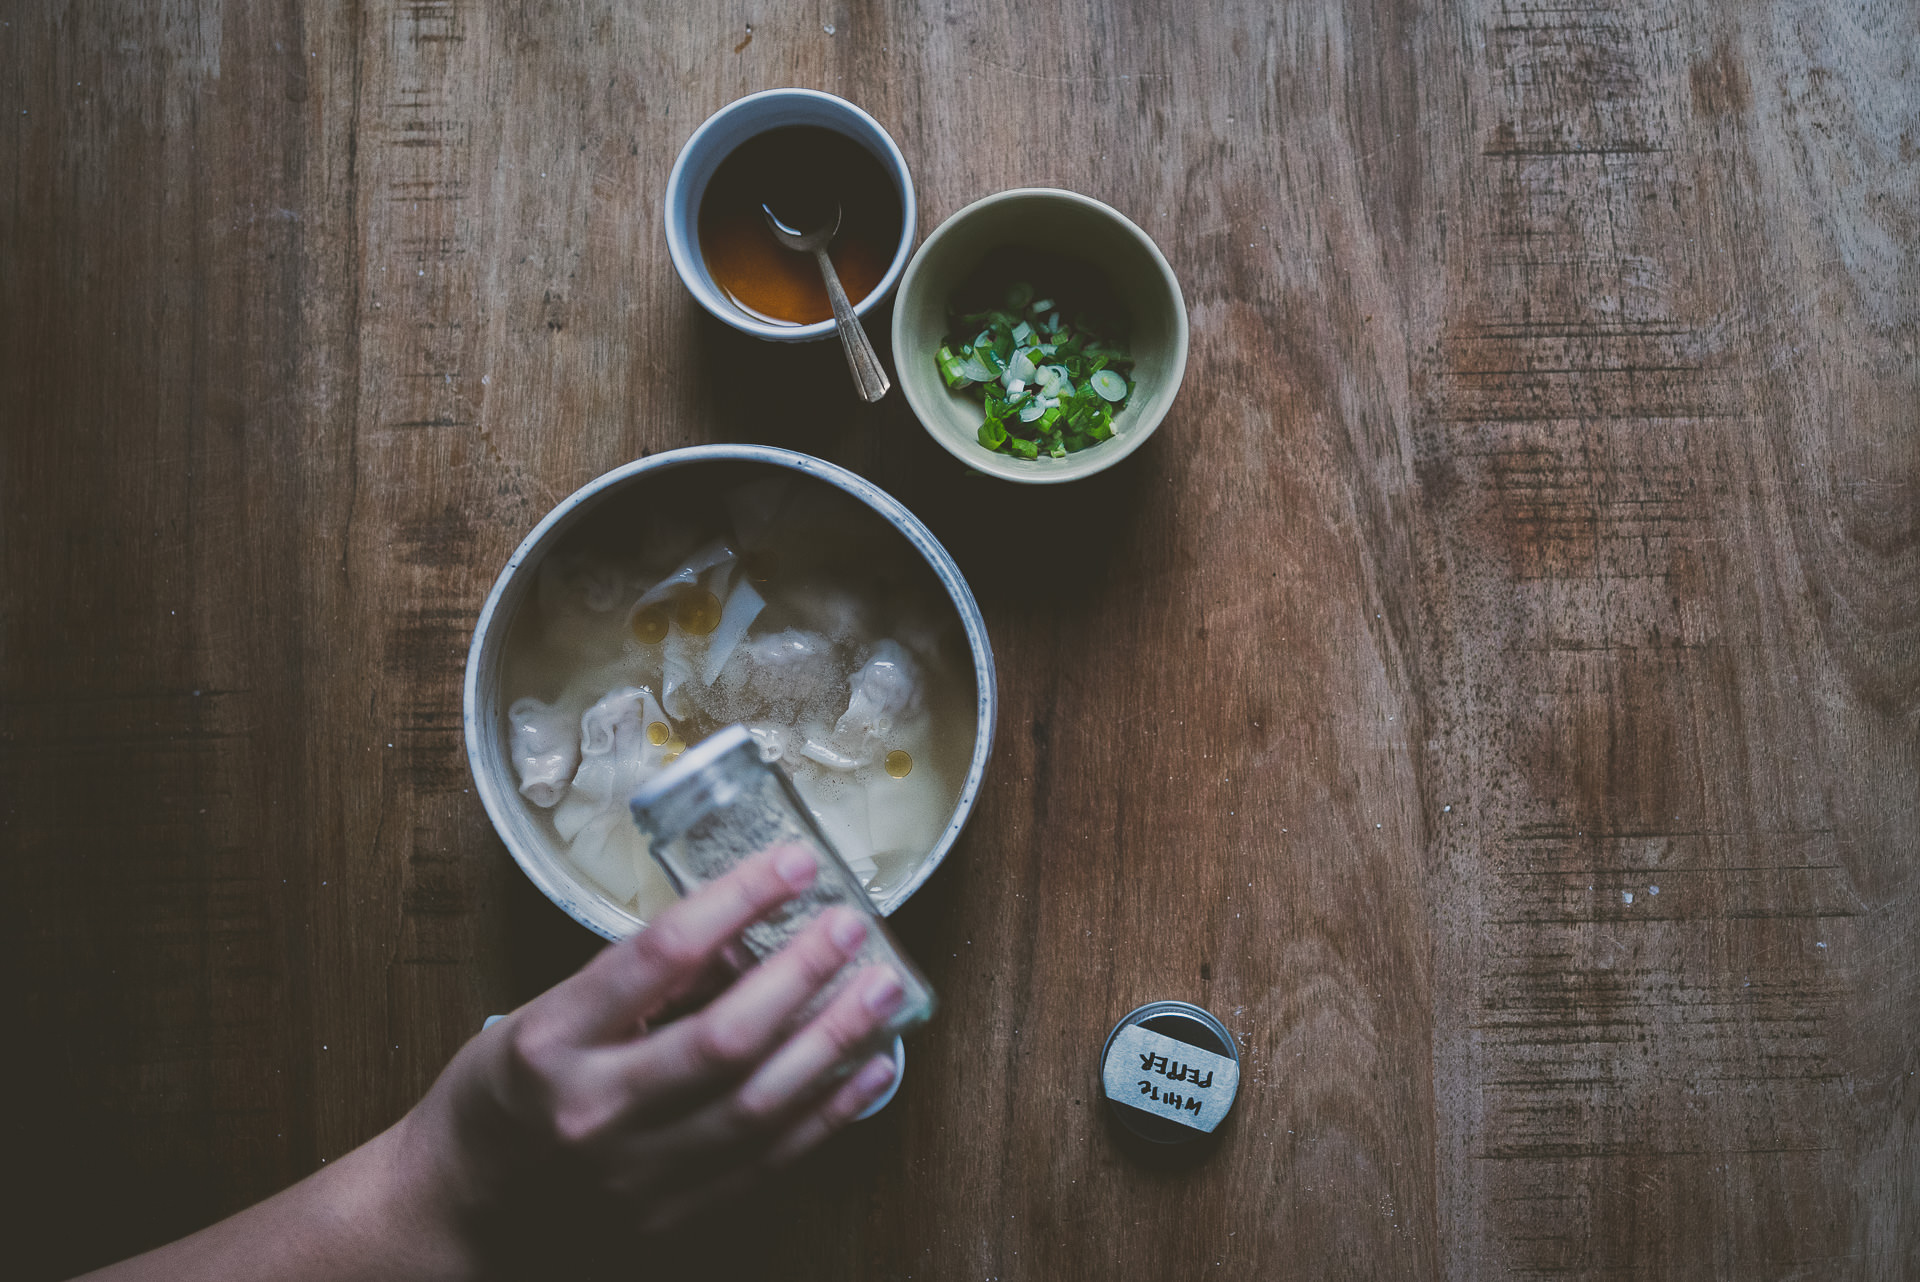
(1539, 525)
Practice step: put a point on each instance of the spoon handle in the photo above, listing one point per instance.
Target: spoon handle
(868, 375)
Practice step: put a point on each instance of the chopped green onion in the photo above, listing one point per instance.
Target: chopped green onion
(1048, 388)
(952, 370)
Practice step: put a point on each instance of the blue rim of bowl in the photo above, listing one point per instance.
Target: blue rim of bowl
(684, 250)
(899, 1054)
(974, 454)
(576, 898)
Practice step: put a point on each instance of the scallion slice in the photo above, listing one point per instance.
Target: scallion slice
(1049, 388)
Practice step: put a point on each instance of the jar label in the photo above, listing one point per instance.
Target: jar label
(1169, 1078)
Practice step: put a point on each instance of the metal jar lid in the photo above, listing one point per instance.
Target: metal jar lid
(1170, 1072)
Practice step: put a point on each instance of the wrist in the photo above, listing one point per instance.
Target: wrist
(421, 1200)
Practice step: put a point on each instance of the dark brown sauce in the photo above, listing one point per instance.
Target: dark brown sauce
(801, 171)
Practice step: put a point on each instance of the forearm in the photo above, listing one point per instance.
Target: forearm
(375, 1213)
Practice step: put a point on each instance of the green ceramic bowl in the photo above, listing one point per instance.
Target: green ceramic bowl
(1054, 221)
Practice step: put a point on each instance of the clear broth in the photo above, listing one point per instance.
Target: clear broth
(825, 544)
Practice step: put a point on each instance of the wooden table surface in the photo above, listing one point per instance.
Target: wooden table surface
(1495, 691)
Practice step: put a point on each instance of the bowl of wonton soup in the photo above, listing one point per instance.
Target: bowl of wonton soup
(708, 586)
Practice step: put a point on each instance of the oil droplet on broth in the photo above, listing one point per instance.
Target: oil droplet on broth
(674, 746)
(658, 733)
(899, 763)
(698, 613)
(650, 625)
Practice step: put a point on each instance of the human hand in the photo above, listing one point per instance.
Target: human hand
(578, 1104)
(580, 1089)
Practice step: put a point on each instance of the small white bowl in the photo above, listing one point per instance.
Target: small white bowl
(1072, 226)
(715, 140)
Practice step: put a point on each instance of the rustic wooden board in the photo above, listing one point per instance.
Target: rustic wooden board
(1537, 527)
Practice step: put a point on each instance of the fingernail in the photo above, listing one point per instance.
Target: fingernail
(796, 867)
(848, 930)
(884, 995)
(873, 1079)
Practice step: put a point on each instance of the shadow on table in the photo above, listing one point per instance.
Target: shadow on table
(543, 944)
(810, 1211)
(797, 396)
(1020, 545)
(1159, 1159)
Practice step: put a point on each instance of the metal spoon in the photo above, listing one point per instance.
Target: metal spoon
(868, 376)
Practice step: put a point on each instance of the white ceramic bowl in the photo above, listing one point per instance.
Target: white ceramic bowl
(1057, 222)
(715, 140)
(494, 776)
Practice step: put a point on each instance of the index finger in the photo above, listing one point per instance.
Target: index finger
(604, 999)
